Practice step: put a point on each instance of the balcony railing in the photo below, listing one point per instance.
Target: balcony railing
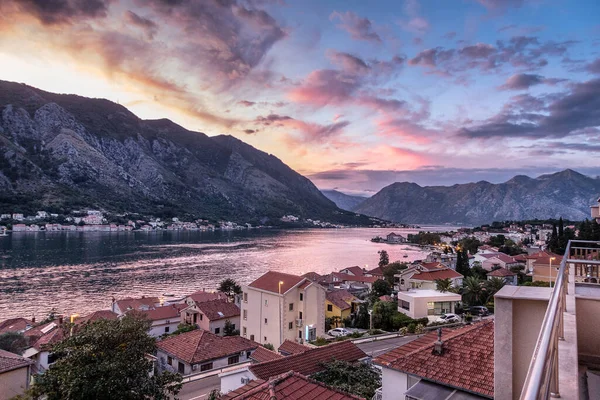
(542, 376)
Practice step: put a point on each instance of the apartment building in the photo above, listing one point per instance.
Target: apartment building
(279, 306)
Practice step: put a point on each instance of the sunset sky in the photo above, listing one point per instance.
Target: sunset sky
(353, 94)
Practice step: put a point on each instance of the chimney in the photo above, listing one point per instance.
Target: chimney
(60, 319)
(438, 346)
(33, 320)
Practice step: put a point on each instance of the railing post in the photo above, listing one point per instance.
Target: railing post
(554, 389)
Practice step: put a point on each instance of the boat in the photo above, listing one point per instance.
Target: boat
(168, 295)
(405, 256)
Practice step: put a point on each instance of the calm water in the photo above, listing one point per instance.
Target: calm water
(80, 272)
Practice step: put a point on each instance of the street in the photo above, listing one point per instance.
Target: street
(381, 346)
(199, 389)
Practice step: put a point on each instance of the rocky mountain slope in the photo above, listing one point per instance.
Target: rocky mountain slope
(61, 152)
(343, 200)
(566, 194)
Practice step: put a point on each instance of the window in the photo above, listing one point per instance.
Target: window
(402, 281)
(169, 360)
(201, 317)
(181, 368)
(266, 302)
(405, 305)
(52, 358)
(233, 360)
(167, 329)
(217, 331)
(299, 334)
(244, 331)
(206, 367)
(291, 306)
(329, 307)
(245, 297)
(248, 354)
(245, 314)
(301, 296)
(266, 321)
(300, 315)
(291, 325)
(252, 337)
(265, 339)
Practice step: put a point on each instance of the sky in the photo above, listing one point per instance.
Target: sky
(353, 94)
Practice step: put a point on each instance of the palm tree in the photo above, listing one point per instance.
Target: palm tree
(473, 291)
(443, 285)
(492, 286)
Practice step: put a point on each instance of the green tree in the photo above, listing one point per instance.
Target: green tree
(381, 288)
(478, 271)
(269, 346)
(384, 258)
(443, 285)
(462, 263)
(383, 315)
(14, 342)
(392, 269)
(356, 378)
(229, 329)
(492, 286)
(106, 359)
(473, 291)
(229, 287)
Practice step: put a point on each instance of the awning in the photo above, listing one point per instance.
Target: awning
(425, 390)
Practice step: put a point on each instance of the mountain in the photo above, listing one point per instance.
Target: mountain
(566, 194)
(343, 200)
(63, 152)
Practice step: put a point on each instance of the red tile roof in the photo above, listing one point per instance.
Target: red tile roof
(433, 266)
(467, 361)
(505, 258)
(270, 282)
(288, 386)
(201, 296)
(340, 298)
(218, 309)
(387, 358)
(51, 337)
(435, 275)
(313, 276)
(14, 325)
(137, 303)
(96, 316)
(262, 354)
(10, 361)
(310, 361)
(289, 347)
(501, 273)
(362, 279)
(305, 284)
(164, 312)
(200, 346)
(378, 271)
(356, 270)
(546, 261)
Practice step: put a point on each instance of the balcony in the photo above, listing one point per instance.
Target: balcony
(299, 323)
(547, 341)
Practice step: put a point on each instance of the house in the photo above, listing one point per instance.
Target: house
(288, 348)
(288, 386)
(394, 238)
(354, 271)
(376, 272)
(41, 339)
(545, 269)
(211, 315)
(423, 276)
(313, 276)
(201, 296)
(420, 303)
(532, 258)
(279, 306)
(141, 304)
(201, 351)
(15, 325)
(262, 354)
(498, 260)
(305, 363)
(596, 211)
(164, 319)
(339, 303)
(443, 364)
(15, 374)
(509, 277)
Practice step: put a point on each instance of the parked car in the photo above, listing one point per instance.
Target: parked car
(479, 310)
(449, 318)
(338, 332)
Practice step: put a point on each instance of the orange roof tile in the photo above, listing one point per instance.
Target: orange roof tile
(262, 354)
(164, 312)
(218, 309)
(288, 386)
(289, 347)
(340, 298)
(501, 272)
(10, 361)
(199, 346)
(467, 362)
(313, 276)
(96, 316)
(14, 325)
(270, 282)
(356, 270)
(435, 275)
(310, 361)
(201, 296)
(137, 303)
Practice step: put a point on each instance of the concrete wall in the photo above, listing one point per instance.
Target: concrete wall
(233, 380)
(189, 369)
(13, 383)
(393, 384)
(158, 326)
(588, 328)
(257, 311)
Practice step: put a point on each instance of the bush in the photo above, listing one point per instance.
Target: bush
(320, 341)
(419, 329)
(269, 346)
(376, 332)
(411, 327)
(403, 331)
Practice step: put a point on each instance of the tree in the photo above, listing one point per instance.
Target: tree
(356, 378)
(229, 287)
(492, 286)
(462, 263)
(383, 315)
(381, 288)
(229, 329)
(106, 359)
(392, 269)
(384, 258)
(478, 271)
(443, 285)
(14, 342)
(473, 291)
(269, 346)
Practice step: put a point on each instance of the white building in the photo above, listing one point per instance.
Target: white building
(211, 315)
(279, 306)
(422, 303)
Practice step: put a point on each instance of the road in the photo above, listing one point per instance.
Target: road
(199, 390)
(381, 346)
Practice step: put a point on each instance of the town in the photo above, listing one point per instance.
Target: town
(450, 325)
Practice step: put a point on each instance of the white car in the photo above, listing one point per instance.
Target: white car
(449, 318)
(337, 332)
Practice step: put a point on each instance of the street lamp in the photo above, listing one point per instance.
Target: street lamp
(550, 270)
(280, 283)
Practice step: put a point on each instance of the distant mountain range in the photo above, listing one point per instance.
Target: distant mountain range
(566, 194)
(64, 152)
(342, 200)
